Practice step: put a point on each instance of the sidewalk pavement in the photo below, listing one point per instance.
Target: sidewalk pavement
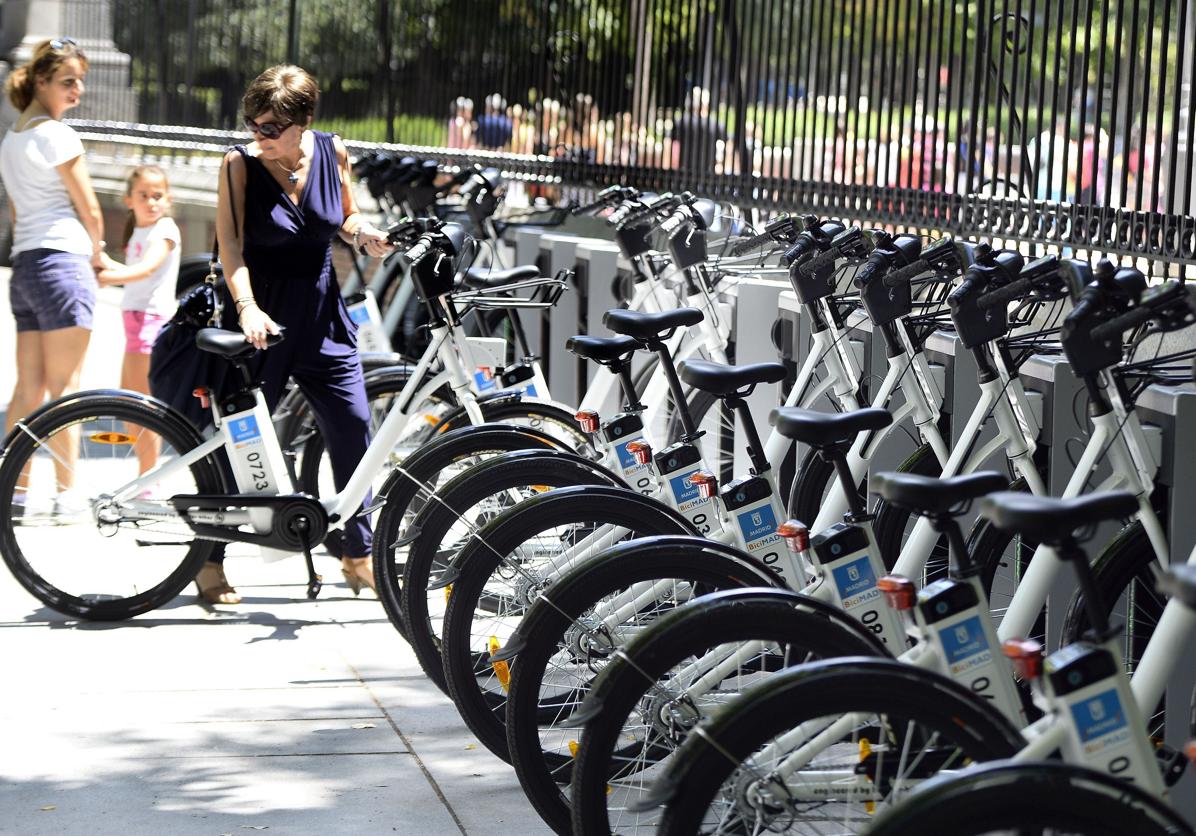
(280, 714)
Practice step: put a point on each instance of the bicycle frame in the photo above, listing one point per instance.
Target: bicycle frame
(444, 347)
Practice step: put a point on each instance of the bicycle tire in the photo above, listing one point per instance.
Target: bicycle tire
(102, 405)
(1029, 798)
(484, 555)
(1123, 572)
(814, 481)
(416, 476)
(830, 688)
(497, 410)
(546, 627)
(380, 386)
(891, 522)
(509, 471)
(774, 615)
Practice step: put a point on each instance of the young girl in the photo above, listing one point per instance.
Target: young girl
(149, 274)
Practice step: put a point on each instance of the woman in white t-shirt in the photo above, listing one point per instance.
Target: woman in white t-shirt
(149, 274)
(57, 237)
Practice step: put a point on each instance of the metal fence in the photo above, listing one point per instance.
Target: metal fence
(1067, 121)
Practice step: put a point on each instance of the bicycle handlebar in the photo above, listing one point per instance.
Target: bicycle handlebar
(1115, 327)
(422, 249)
(1016, 289)
(902, 275)
(749, 244)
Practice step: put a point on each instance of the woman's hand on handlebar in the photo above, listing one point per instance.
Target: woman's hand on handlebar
(372, 242)
(256, 324)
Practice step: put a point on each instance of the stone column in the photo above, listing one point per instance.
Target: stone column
(26, 23)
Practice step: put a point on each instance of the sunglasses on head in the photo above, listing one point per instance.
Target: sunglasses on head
(62, 43)
(270, 130)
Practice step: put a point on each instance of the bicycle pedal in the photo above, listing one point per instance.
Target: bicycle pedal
(1173, 762)
(314, 587)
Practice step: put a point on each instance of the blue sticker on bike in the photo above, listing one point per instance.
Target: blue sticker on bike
(1099, 716)
(244, 429)
(856, 582)
(963, 641)
(684, 493)
(359, 314)
(758, 523)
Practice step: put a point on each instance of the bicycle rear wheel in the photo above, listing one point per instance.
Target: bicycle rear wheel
(67, 539)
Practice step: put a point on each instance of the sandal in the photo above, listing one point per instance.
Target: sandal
(214, 587)
(358, 573)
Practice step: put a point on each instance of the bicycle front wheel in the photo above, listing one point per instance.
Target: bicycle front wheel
(513, 561)
(647, 693)
(827, 745)
(68, 532)
(1039, 798)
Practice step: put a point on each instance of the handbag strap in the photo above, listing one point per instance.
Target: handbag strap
(210, 279)
(232, 207)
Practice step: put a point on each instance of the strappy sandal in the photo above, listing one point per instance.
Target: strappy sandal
(214, 587)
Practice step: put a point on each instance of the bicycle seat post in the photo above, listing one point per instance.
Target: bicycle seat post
(755, 448)
(690, 432)
(1101, 631)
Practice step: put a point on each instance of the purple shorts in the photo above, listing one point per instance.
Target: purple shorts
(51, 289)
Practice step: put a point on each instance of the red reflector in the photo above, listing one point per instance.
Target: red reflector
(1026, 655)
(202, 393)
(641, 450)
(588, 420)
(797, 536)
(1190, 750)
(706, 483)
(899, 592)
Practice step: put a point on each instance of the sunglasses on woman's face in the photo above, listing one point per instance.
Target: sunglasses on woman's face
(270, 130)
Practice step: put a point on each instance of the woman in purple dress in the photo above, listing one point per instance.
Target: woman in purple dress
(282, 200)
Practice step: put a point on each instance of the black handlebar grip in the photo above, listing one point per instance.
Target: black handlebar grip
(965, 289)
(1118, 325)
(1016, 289)
(749, 244)
(865, 274)
(818, 262)
(903, 275)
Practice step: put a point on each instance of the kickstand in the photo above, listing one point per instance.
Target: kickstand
(315, 581)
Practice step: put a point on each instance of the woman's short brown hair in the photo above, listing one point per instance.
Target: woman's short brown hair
(48, 56)
(287, 91)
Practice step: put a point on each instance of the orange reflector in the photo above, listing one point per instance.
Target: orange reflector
(501, 669)
(541, 488)
(899, 592)
(1190, 750)
(706, 483)
(573, 747)
(1026, 655)
(587, 419)
(797, 536)
(112, 438)
(202, 392)
(641, 450)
